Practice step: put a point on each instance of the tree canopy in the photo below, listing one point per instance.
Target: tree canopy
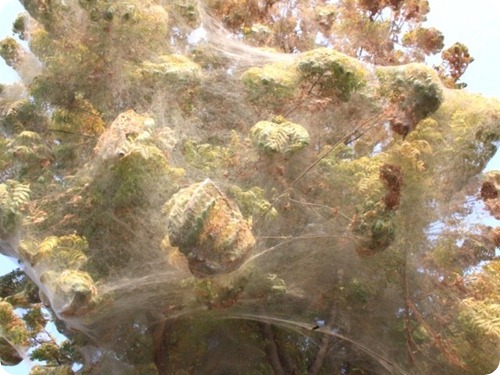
(245, 187)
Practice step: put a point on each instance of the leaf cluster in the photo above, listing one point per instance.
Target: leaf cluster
(10, 51)
(333, 73)
(12, 328)
(456, 60)
(253, 203)
(283, 137)
(414, 91)
(13, 197)
(60, 253)
(272, 85)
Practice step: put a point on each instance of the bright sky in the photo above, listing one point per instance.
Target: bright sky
(8, 12)
(474, 23)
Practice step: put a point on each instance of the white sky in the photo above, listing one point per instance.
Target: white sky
(477, 25)
(474, 23)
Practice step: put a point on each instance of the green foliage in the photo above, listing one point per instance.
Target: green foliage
(459, 258)
(258, 32)
(13, 196)
(69, 50)
(55, 357)
(18, 290)
(175, 70)
(51, 370)
(430, 131)
(473, 126)
(414, 153)
(30, 152)
(279, 136)
(253, 203)
(46, 352)
(272, 85)
(45, 13)
(10, 51)
(67, 73)
(12, 328)
(356, 180)
(477, 143)
(135, 173)
(334, 73)
(358, 292)
(35, 319)
(376, 227)
(266, 286)
(12, 283)
(485, 315)
(414, 89)
(19, 26)
(59, 253)
(429, 40)
(5, 158)
(208, 157)
(199, 288)
(76, 126)
(185, 216)
(81, 118)
(216, 296)
(207, 58)
(325, 16)
(209, 229)
(189, 11)
(23, 115)
(175, 75)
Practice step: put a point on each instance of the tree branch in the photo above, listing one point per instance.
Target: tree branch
(158, 332)
(326, 341)
(271, 348)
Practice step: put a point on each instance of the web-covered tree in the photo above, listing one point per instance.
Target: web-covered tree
(227, 187)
